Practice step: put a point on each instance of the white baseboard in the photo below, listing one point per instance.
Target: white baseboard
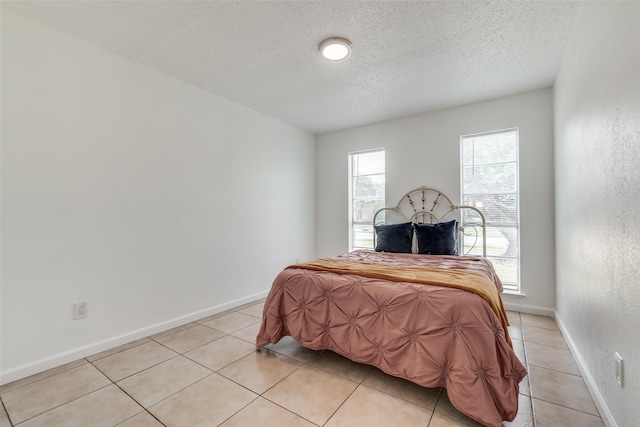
(56, 360)
(529, 309)
(605, 413)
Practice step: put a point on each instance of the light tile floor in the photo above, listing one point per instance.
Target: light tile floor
(207, 373)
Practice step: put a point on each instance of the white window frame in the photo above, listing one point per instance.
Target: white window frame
(351, 198)
(509, 286)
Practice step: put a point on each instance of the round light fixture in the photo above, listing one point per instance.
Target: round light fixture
(335, 48)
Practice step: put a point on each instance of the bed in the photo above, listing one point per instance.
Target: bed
(414, 308)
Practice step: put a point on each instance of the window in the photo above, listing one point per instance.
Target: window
(366, 196)
(490, 183)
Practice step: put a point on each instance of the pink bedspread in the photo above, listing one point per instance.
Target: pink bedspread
(432, 335)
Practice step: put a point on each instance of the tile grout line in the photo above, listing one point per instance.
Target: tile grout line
(532, 398)
(4, 408)
(65, 403)
(360, 383)
(262, 395)
(44, 377)
(554, 370)
(137, 372)
(567, 407)
(302, 363)
(341, 404)
(111, 381)
(144, 409)
(212, 372)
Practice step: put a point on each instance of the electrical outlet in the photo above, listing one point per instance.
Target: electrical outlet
(619, 369)
(80, 310)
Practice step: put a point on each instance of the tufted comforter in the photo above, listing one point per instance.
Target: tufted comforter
(433, 335)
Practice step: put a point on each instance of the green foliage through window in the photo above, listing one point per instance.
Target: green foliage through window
(490, 182)
(366, 195)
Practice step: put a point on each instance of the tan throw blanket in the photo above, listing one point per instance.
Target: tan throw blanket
(469, 281)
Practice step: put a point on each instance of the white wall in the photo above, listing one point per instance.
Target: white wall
(425, 150)
(149, 198)
(597, 132)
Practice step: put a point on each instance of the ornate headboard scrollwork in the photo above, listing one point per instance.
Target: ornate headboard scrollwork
(427, 205)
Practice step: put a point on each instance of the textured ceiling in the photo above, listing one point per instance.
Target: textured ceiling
(408, 57)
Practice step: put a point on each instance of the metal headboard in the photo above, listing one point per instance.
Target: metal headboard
(427, 205)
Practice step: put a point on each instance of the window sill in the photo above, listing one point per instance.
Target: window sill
(514, 293)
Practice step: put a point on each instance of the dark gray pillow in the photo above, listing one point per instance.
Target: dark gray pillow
(394, 238)
(437, 239)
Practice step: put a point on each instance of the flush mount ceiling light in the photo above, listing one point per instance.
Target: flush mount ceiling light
(335, 48)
